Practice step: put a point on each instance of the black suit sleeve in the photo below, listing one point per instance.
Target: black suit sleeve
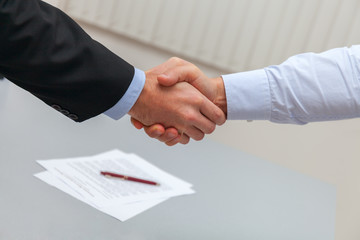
(45, 52)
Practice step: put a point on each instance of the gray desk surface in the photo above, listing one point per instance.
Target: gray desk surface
(238, 196)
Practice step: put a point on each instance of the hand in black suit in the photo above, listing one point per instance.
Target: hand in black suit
(45, 52)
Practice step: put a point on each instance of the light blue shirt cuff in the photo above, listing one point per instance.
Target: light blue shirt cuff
(248, 95)
(124, 105)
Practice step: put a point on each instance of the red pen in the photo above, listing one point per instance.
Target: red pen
(110, 174)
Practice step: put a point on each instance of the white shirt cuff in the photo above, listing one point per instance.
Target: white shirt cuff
(127, 101)
(248, 95)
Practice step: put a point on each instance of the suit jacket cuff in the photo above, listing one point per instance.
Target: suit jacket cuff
(124, 105)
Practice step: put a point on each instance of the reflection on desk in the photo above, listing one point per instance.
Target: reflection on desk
(237, 196)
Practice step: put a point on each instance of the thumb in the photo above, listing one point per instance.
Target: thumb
(166, 80)
(186, 73)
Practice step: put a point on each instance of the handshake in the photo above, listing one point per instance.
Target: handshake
(179, 102)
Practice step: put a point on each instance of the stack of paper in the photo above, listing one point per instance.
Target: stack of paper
(81, 178)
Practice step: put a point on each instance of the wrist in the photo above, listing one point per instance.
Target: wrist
(220, 98)
(141, 105)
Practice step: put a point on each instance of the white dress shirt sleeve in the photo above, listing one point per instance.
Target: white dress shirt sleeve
(306, 88)
(124, 105)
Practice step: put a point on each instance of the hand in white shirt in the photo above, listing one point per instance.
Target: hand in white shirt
(305, 88)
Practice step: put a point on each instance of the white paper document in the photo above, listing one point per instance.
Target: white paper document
(81, 178)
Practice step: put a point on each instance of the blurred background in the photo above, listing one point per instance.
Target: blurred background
(220, 37)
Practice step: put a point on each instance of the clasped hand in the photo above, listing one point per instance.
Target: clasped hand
(179, 102)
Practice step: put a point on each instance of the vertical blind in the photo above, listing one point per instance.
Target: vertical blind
(233, 35)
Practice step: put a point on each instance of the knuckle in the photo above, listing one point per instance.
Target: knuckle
(194, 68)
(190, 117)
(177, 61)
(173, 59)
(198, 100)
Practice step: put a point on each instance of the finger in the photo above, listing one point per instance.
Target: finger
(185, 73)
(170, 63)
(169, 135)
(203, 124)
(174, 141)
(212, 112)
(194, 133)
(184, 139)
(197, 120)
(154, 131)
(137, 124)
